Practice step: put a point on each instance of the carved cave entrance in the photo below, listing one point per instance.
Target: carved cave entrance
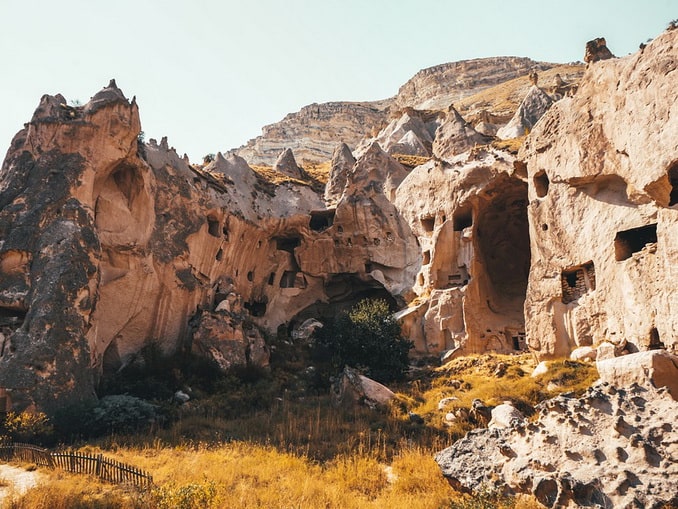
(343, 291)
(502, 243)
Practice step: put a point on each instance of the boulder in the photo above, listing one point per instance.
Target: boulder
(505, 416)
(608, 448)
(584, 353)
(306, 329)
(352, 388)
(658, 368)
(541, 369)
(223, 340)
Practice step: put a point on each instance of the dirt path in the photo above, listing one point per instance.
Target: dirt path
(16, 479)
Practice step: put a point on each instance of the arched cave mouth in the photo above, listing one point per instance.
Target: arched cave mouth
(503, 247)
(344, 291)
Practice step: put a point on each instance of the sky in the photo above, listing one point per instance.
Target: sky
(209, 74)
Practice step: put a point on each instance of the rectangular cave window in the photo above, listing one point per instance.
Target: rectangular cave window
(462, 218)
(631, 241)
(428, 223)
(518, 340)
(292, 279)
(271, 278)
(321, 220)
(287, 243)
(213, 226)
(427, 257)
(576, 281)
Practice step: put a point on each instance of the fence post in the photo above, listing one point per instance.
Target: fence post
(98, 467)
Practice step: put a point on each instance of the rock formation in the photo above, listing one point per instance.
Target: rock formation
(108, 245)
(455, 136)
(613, 447)
(533, 107)
(287, 165)
(603, 211)
(340, 166)
(597, 50)
(314, 132)
(439, 86)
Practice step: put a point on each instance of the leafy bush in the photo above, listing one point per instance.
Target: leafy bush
(367, 338)
(28, 427)
(120, 413)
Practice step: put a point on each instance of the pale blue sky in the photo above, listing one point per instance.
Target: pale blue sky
(209, 74)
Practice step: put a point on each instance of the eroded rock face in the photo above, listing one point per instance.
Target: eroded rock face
(533, 107)
(610, 448)
(314, 132)
(475, 282)
(603, 210)
(439, 86)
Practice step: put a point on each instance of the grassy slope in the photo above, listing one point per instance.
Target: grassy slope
(300, 451)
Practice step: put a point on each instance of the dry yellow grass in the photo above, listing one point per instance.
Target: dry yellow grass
(307, 453)
(410, 161)
(503, 99)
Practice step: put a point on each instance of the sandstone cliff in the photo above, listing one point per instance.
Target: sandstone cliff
(603, 213)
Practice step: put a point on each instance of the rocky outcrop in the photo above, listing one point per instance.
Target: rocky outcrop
(436, 88)
(603, 211)
(533, 107)
(455, 136)
(287, 165)
(610, 448)
(341, 164)
(410, 134)
(468, 213)
(597, 50)
(315, 131)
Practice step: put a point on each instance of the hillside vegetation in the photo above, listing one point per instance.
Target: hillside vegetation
(278, 441)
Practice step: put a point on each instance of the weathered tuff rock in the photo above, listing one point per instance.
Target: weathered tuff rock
(107, 246)
(655, 367)
(475, 283)
(410, 134)
(610, 448)
(341, 164)
(352, 388)
(287, 165)
(455, 136)
(533, 107)
(597, 50)
(603, 208)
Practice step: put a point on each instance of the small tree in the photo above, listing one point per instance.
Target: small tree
(368, 338)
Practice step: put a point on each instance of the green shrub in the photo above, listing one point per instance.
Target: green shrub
(367, 338)
(119, 413)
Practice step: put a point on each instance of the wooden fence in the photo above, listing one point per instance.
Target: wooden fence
(98, 465)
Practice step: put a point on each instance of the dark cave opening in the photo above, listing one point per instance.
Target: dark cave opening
(503, 245)
(631, 241)
(344, 291)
